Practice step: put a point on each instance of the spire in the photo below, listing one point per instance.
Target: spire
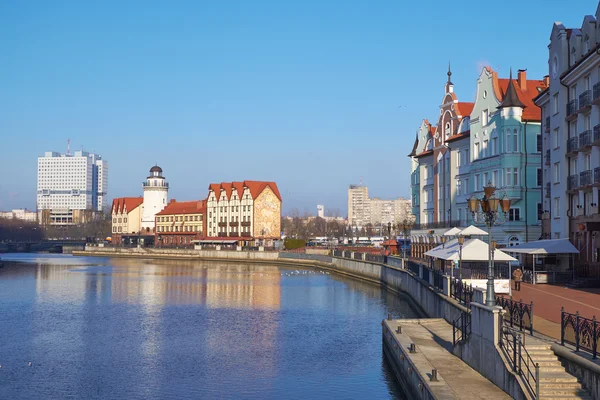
(511, 99)
(449, 73)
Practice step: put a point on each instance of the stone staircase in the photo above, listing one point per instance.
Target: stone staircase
(555, 382)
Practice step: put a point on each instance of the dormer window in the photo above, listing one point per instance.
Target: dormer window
(587, 44)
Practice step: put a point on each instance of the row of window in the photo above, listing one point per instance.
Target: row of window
(179, 218)
(186, 228)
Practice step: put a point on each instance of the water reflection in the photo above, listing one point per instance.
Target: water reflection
(128, 328)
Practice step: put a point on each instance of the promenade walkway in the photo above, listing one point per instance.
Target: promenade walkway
(548, 299)
(433, 338)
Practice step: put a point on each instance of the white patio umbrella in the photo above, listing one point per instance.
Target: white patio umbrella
(452, 232)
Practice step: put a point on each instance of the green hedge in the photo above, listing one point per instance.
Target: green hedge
(291, 243)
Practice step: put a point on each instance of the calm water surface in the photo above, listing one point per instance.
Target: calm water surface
(139, 329)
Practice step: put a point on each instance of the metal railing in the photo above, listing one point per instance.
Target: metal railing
(548, 190)
(547, 125)
(581, 332)
(596, 90)
(375, 258)
(518, 314)
(414, 268)
(434, 225)
(572, 108)
(596, 134)
(460, 291)
(426, 272)
(572, 182)
(520, 360)
(585, 178)
(547, 157)
(461, 328)
(585, 99)
(573, 144)
(585, 139)
(438, 280)
(597, 175)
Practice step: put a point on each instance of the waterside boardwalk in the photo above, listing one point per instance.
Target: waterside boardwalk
(433, 340)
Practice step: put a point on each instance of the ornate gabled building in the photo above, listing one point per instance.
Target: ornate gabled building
(571, 142)
(247, 210)
(505, 139)
(126, 213)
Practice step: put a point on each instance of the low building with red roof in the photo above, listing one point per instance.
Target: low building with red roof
(250, 210)
(180, 223)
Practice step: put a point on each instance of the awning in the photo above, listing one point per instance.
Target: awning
(452, 232)
(472, 250)
(204, 241)
(546, 246)
(472, 230)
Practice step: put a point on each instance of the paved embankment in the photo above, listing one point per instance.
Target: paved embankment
(433, 344)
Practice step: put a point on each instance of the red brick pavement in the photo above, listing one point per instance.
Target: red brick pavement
(548, 299)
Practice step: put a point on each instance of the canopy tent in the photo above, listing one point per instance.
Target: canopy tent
(472, 250)
(546, 246)
(472, 230)
(452, 232)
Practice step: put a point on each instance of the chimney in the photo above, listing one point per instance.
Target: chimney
(547, 80)
(522, 79)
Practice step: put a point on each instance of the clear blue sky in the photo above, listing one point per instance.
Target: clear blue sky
(309, 90)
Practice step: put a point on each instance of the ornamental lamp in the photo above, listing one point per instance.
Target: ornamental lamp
(473, 204)
(461, 240)
(489, 190)
(505, 203)
(493, 203)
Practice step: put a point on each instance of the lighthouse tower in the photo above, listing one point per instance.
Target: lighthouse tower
(156, 194)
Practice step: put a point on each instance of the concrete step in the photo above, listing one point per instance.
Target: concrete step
(544, 391)
(559, 368)
(549, 363)
(566, 397)
(559, 385)
(557, 377)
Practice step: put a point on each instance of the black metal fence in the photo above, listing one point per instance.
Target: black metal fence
(375, 258)
(518, 314)
(426, 272)
(438, 280)
(581, 332)
(520, 360)
(460, 291)
(461, 328)
(414, 268)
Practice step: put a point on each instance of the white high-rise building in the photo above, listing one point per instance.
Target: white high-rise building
(72, 182)
(156, 197)
(320, 211)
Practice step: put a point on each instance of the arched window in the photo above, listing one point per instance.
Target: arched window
(513, 241)
(447, 129)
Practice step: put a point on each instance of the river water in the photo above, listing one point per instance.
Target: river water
(139, 329)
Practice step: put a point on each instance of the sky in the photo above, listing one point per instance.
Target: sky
(313, 95)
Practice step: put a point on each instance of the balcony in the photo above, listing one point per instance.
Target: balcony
(234, 234)
(572, 110)
(585, 178)
(585, 139)
(222, 234)
(596, 99)
(547, 158)
(547, 191)
(222, 223)
(245, 234)
(246, 223)
(436, 225)
(573, 145)
(573, 182)
(585, 101)
(596, 136)
(597, 176)
(233, 223)
(547, 125)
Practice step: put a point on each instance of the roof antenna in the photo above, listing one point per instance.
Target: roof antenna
(360, 184)
(68, 147)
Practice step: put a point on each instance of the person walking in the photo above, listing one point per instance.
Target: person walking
(517, 277)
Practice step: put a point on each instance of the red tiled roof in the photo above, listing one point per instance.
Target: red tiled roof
(184, 207)
(458, 136)
(464, 109)
(256, 188)
(533, 88)
(126, 203)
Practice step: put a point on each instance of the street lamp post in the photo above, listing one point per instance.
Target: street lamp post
(461, 241)
(406, 226)
(489, 211)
